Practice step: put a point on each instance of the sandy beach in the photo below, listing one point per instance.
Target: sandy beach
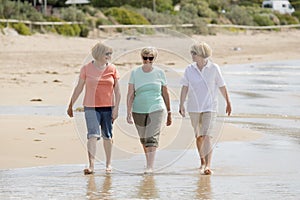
(41, 70)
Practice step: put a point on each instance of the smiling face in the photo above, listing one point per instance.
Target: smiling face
(148, 55)
(148, 58)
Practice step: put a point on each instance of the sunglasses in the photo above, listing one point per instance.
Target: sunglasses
(108, 53)
(148, 58)
(193, 53)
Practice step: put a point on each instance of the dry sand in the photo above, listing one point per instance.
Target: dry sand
(40, 70)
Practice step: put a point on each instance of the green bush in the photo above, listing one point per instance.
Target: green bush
(8, 9)
(1, 28)
(89, 9)
(84, 31)
(297, 15)
(66, 30)
(199, 6)
(263, 20)
(53, 19)
(102, 21)
(76, 29)
(15, 10)
(239, 15)
(72, 14)
(49, 29)
(286, 19)
(27, 12)
(200, 27)
(21, 28)
(125, 16)
(159, 18)
(218, 5)
(188, 13)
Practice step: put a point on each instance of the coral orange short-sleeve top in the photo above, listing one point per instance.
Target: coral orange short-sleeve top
(99, 85)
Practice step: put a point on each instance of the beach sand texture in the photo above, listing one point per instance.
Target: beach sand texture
(40, 71)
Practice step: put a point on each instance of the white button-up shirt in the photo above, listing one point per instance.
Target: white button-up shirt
(203, 87)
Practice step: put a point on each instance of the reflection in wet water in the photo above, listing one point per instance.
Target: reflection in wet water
(203, 190)
(101, 191)
(147, 188)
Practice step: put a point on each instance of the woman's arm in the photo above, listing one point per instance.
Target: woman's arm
(226, 97)
(117, 93)
(166, 97)
(130, 98)
(183, 94)
(77, 91)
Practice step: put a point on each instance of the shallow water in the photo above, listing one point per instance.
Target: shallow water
(266, 96)
(256, 171)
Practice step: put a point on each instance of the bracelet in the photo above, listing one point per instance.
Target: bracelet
(169, 112)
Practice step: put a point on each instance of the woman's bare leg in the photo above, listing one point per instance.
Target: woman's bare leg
(199, 143)
(107, 143)
(92, 147)
(208, 154)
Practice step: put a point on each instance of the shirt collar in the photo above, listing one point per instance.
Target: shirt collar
(208, 65)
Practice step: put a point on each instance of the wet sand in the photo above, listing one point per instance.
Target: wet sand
(253, 172)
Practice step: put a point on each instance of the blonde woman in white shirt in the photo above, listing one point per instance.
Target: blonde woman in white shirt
(201, 82)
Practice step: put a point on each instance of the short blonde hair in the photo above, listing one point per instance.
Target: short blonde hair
(100, 50)
(149, 51)
(202, 49)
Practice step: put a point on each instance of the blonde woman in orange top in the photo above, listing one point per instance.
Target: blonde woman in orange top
(101, 102)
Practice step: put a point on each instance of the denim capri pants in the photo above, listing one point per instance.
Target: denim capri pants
(96, 117)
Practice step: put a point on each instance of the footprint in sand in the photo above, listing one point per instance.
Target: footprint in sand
(36, 100)
(37, 156)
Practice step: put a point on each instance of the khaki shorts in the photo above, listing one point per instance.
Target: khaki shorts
(203, 123)
(148, 126)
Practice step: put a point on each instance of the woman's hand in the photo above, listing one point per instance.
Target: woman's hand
(70, 111)
(228, 108)
(169, 119)
(182, 110)
(129, 118)
(115, 114)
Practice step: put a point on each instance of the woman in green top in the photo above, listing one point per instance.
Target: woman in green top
(147, 98)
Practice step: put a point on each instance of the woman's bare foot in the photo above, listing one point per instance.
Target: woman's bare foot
(88, 171)
(108, 169)
(148, 171)
(202, 169)
(208, 171)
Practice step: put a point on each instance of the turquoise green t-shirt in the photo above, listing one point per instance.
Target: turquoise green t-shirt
(147, 85)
